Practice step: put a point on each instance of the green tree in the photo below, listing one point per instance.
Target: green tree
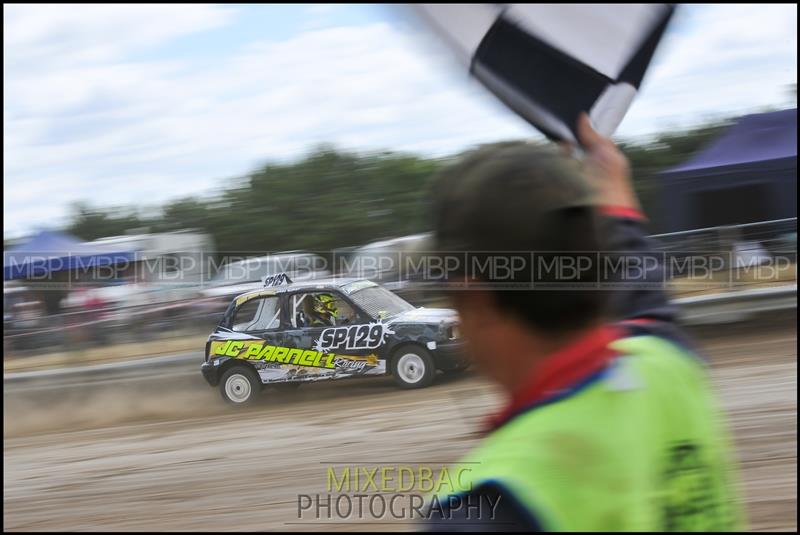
(91, 223)
(332, 198)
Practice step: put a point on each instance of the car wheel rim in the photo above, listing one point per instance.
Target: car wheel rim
(411, 368)
(237, 388)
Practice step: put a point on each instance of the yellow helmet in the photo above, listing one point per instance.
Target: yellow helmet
(326, 304)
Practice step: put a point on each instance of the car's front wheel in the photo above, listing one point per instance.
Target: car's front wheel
(239, 385)
(413, 367)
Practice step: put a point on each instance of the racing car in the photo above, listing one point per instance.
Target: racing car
(319, 330)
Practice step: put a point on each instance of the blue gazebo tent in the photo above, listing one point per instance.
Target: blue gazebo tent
(748, 174)
(50, 252)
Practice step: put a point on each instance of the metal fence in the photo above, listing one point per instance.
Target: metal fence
(113, 325)
(732, 258)
(777, 237)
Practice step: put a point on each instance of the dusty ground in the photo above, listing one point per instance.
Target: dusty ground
(195, 466)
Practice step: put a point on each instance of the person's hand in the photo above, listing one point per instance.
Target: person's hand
(607, 168)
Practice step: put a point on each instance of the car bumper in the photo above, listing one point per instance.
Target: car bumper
(210, 373)
(449, 355)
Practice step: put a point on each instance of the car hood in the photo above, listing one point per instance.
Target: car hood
(426, 315)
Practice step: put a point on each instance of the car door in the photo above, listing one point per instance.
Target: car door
(255, 321)
(315, 333)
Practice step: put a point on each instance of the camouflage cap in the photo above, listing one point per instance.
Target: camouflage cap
(498, 197)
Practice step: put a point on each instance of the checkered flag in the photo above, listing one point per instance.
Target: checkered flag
(549, 63)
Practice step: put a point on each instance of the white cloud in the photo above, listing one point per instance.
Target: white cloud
(39, 36)
(85, 120)
(271, 100)
(729, 59)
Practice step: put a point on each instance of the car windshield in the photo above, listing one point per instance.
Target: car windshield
(378, 302)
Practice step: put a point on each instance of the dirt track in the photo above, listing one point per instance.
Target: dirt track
(207, 469)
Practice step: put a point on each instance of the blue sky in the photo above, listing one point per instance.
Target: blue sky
(137, 105)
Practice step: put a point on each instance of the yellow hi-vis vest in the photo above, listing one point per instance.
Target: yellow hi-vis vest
(643, 448)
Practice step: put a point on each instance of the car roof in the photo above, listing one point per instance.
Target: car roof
(370, 247)
(258, 259)
(329, 283)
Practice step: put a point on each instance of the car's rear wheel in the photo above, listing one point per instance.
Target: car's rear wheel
(240, 385)
(413, 367)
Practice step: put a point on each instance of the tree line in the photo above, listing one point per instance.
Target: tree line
(334, 198)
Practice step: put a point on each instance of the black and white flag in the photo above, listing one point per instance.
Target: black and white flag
(551, 62)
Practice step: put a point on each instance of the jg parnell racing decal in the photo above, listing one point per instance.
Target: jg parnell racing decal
(256, 351)
(353, 337)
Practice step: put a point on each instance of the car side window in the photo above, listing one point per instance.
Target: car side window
(320, 309)
(259, 314)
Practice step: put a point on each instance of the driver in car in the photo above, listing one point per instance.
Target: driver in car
(318, 311)
(325, 310)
